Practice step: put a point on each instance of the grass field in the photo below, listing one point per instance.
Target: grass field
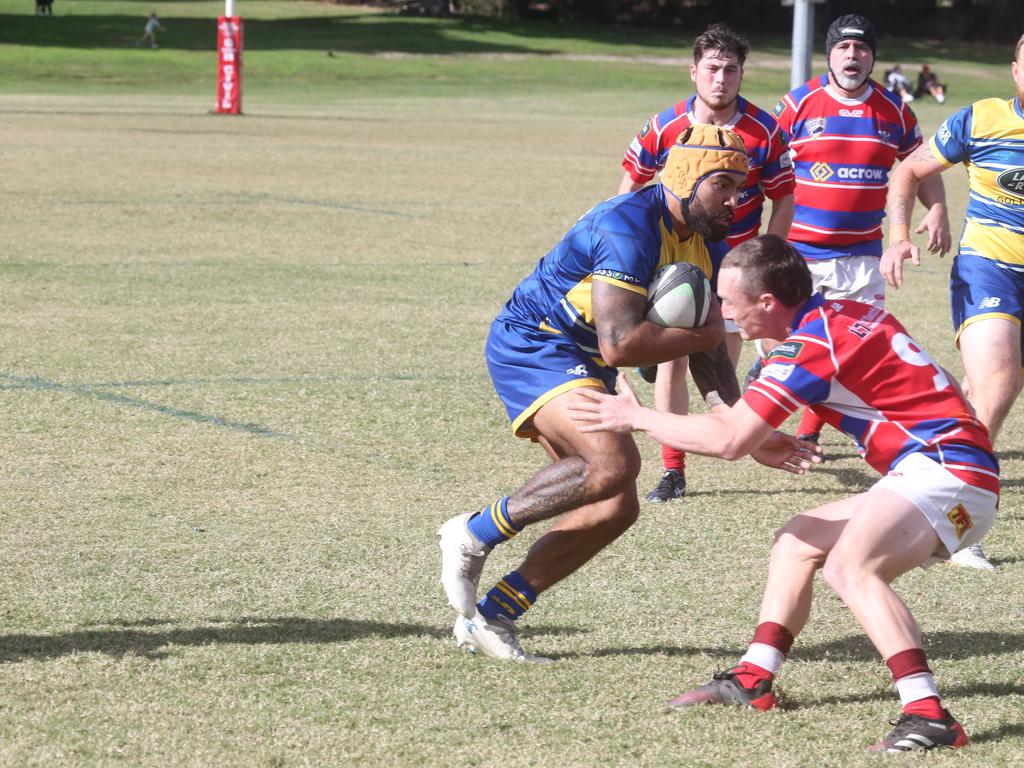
(242, 385)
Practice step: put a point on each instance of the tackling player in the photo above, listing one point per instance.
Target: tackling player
(717, 73)
(855, 366)
(987, 278)
(569, 324)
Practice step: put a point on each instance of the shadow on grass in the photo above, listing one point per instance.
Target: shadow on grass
(375, 32)
(885, 693)
(998, 734)
(137, 638)
(938, 645)
(357, 33)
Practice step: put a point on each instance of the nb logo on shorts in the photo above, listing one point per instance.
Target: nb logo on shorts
(989, 302)
(579, 370)
(961, 520)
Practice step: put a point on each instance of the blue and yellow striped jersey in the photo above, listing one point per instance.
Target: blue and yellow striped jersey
(988, 138)
(622, 241)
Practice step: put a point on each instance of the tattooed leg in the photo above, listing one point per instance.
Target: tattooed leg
(592, 484)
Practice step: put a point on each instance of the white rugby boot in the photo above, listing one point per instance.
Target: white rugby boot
(493, 637)
(462, 561)
(972, 557)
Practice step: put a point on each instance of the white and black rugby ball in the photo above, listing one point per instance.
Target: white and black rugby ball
(679, 296)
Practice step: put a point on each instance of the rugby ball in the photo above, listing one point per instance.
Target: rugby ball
(679, 296)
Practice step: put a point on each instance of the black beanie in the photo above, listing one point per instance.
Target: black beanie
(850, 27)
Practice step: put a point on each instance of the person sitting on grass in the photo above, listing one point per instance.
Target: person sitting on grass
(898, 83)
(928, 82)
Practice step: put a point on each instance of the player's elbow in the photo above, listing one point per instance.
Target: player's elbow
(618, 353)
(733, 450)
(714, 336)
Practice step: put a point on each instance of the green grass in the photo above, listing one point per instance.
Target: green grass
(88, 47)
(242, 384)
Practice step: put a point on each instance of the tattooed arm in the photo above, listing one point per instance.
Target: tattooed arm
(626, 338)
(715, 377)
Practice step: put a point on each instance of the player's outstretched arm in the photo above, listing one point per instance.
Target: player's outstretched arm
(628, 185)
(729, 433)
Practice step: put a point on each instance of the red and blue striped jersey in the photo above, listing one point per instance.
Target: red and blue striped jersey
(857, 367)
(770, 173)
(842, 151)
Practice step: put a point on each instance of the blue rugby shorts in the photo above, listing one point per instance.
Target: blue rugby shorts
(983, 289)
(530, 367)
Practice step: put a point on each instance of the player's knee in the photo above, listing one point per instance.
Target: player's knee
(841, 573)
(792, 545)
(612, 474)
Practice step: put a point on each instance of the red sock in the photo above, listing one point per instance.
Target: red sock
(673, 459)
(775, 635)
(810, 423)
(748, 675)
(913, 661)
(930, 708)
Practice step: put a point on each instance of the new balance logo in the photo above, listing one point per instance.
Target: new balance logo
(579, 370)
(989, 302)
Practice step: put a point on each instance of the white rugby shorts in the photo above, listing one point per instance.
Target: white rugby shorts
(849, 277)
(960, 513)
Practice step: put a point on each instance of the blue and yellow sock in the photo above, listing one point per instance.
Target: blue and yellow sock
(491, 524)
(508, 599)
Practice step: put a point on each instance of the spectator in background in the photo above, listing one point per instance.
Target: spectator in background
(898, 83)
(928, 82)
(149, 34)
(44, 7)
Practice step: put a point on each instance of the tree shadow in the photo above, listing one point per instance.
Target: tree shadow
(137, 638)
(351, 33)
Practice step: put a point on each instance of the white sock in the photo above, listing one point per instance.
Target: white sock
(916, 687)
(765, 656)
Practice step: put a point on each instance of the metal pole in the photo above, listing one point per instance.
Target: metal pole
(803, 43)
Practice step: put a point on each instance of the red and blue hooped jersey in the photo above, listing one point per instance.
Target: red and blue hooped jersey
(859, 369)
(770, 173)
(842, 151)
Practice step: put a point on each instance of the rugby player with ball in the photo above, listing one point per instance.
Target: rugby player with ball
(580, 315)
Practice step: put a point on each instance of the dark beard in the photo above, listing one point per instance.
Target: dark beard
(703, 223)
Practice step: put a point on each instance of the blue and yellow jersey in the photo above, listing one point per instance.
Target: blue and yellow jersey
(622, 241)
(988, 138)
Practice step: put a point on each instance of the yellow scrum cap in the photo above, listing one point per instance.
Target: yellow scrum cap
(699, 152)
